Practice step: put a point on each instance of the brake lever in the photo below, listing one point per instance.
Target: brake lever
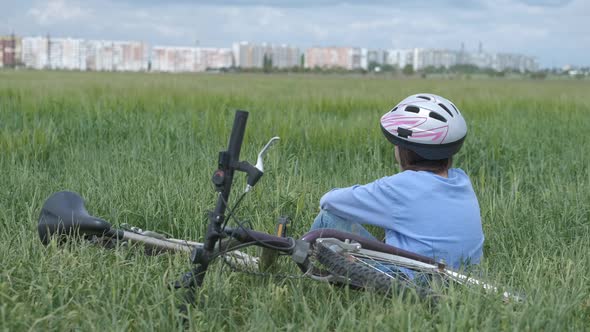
(259, 160)
(260, 164)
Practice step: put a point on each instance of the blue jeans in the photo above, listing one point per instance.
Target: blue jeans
(326, 219)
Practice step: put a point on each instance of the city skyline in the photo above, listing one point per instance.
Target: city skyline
(112, 55)
(553, 31)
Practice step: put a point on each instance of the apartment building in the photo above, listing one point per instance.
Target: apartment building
(108, 55)
(349, 58)
(10, 51)
(214, 58)
(249, 55)
(399, 58)
(190, 59)
(66, 54)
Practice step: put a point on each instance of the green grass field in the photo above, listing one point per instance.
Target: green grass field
(141, 149)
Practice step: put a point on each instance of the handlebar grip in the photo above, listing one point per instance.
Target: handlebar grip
(237, 135)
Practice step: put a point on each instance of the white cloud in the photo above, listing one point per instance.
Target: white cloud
(269, 15)
(54, 11)
(375, 24)
(169, 31)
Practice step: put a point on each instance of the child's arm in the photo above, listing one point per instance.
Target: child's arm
(364, 204)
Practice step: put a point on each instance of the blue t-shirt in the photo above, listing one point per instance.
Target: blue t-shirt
(420, 211)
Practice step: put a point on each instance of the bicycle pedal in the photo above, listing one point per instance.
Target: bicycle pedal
(281, 229)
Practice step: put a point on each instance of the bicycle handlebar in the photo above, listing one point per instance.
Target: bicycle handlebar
(223, 177)
(237, 135)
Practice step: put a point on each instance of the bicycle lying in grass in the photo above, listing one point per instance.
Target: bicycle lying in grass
(325, 254)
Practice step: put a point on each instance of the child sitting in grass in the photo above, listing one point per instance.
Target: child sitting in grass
(429, 208)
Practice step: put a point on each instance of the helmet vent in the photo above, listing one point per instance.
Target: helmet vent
(393, 110)
(446, 109)
(412, 109)
(456, 110)
(424, 97)
(437, 116)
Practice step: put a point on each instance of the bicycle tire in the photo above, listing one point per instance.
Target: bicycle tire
(359, 275)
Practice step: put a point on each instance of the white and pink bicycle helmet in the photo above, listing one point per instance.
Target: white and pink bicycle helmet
(427, 124)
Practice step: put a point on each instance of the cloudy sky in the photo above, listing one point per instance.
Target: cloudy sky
(557, 32)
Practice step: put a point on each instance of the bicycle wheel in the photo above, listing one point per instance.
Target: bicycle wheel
(358, 273)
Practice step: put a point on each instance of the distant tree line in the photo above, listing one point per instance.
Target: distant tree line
(386, 69)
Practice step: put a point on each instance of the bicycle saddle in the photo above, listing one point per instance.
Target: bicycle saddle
(64, 213)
